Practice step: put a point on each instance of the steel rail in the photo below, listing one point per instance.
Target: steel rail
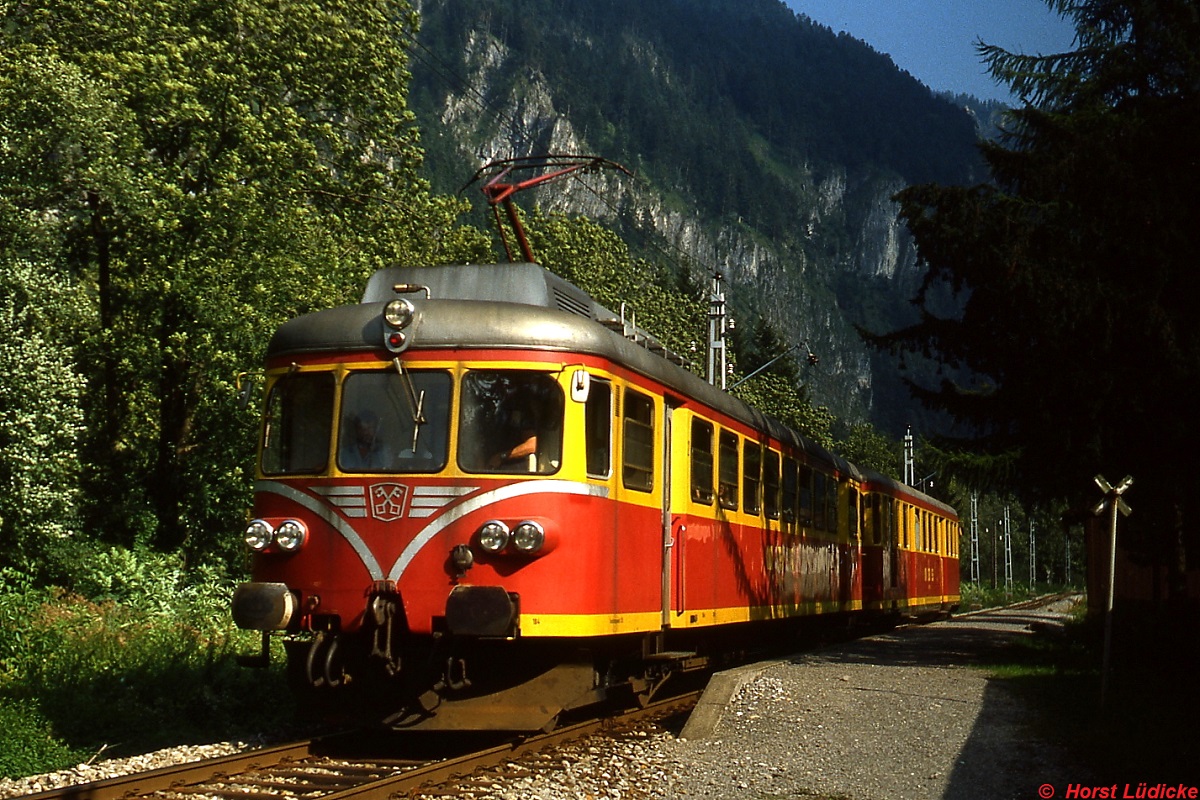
(249, 775)
(179, 775)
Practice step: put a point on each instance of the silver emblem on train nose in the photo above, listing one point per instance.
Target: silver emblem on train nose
(388, 501)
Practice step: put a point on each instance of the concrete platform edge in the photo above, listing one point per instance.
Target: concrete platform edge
(712, 704)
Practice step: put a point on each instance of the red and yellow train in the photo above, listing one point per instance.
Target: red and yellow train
(483, 501)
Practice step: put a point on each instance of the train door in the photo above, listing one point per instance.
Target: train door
(673, 527)
(887, 527)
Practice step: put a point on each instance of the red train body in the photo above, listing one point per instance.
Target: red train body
(481, 503)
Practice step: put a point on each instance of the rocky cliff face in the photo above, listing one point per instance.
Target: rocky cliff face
(847, 254)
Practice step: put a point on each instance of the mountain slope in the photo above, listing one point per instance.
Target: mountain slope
(766, 147)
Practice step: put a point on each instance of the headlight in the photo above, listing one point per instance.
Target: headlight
(493, 536)
(528, 537)
(290, 535)
(398, 313)
(259, 535)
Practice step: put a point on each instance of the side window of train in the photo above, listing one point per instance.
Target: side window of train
(702, 461)
(751, 477)
(298, 423)
(789, 489)
(806, 495)
(852, 511)
(820, 519)
(832, 500)
(637, 461)
(831, 503)
(727, 490)
(771, 483)
(597, 433)
(877, 521)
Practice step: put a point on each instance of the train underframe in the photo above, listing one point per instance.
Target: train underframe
(454, 682)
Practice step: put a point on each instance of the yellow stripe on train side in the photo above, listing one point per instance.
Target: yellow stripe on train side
(550, 625)
(589, 624)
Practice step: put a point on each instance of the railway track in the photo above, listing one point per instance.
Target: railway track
(347, 766)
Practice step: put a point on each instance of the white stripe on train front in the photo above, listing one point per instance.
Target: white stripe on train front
(329, 515)
(444, 495)
(477, 502)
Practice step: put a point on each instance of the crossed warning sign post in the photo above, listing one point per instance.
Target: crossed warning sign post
(1114, 504)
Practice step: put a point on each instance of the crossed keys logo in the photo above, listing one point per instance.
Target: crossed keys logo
(387, 501)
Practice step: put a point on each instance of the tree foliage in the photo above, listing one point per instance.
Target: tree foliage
(40, 416)
(1077, 264)
(202, 171)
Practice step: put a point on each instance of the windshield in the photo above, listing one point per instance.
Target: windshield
(298, 424)
(394, 421)
(510, 421)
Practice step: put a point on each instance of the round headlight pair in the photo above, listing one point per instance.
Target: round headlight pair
(289, 536)
(527, 537)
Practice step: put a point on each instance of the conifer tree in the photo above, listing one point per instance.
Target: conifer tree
(1076, 264)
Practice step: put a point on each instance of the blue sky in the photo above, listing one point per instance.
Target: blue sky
(934, 40)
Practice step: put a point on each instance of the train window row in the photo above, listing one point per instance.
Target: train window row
(400, 420)
(888, 520)
(760, 480)
(778, 486)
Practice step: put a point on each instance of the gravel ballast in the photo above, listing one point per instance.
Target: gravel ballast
(893, 716)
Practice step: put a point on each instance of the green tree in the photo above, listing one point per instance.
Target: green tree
(1077, 264)
(40, 417)
(206, 170)
(867, 447)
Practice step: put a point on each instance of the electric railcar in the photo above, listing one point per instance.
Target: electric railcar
(482, 500)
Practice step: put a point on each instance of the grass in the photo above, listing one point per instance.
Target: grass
(977, 596)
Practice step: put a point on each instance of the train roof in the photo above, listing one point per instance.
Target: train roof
(521, 307)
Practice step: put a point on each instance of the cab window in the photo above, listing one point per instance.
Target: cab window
(298, 424)
(394, 422)
(510, 421)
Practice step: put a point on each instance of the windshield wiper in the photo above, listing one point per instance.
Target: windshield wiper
(416, 401)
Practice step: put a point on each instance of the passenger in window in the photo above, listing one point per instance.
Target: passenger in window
(362, 446)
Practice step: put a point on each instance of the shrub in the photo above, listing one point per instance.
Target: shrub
(27, 741)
